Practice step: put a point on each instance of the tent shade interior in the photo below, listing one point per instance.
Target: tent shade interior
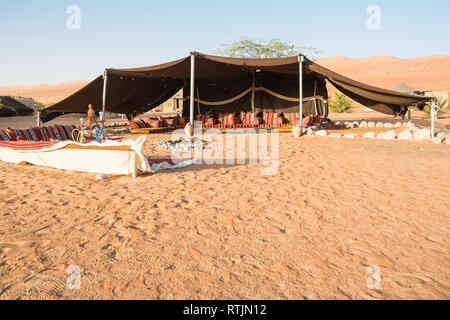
(224, 85)
(11, 107)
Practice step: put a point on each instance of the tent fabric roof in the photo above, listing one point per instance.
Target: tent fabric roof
(150, 86)
(12, 107)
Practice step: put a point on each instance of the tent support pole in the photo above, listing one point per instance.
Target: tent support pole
(253, 93)
(38, 120)
(105, 82)
(433, 117)
(300, 89)
(192, 98)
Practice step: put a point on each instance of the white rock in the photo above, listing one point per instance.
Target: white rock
(355, 124)
(398, 125)
(351, 135)
(369, 135)
(405, 124)
(447, 141)
(437, 140)
(321, 133)
(335, 135)
(337, 123)
(442, 134)
(422, 134)
(389, 135)
(379, 125)
(363, 124)
(405, 135)
(101, 176)
(388, 125)
(371, 124)
(409, 124)
(309, 132)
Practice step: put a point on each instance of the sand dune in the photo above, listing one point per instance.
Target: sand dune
(44, 93)
(423, 73)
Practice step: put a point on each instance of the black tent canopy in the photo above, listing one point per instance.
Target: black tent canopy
(223, 84)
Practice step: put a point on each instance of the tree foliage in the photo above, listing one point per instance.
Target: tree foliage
(340, 103)
(261, 48)
(441, 102)
(39, 105)
(1, 104)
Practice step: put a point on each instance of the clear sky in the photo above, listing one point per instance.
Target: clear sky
(36, 46)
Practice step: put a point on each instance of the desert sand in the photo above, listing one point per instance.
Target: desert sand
(310, 231)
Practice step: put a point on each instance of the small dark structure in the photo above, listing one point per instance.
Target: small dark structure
(12, 108)
(404, 88)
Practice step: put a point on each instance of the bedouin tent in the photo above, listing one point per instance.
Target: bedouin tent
(11, 107)
(223, 85)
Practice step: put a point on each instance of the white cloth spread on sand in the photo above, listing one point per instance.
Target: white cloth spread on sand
(110, 157)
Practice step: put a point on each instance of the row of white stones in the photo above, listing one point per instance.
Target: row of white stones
(411, 133)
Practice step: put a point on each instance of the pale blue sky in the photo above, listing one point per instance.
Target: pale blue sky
(37, 47)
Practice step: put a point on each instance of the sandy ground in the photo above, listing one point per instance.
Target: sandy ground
(335, 207)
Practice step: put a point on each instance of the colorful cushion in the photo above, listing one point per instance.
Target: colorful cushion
(61, 132)
(141, 123)
(269, 117)
(37, 133)
(50, 133)
(68, 131)
(11, 134)
(247, 118)
(171, 121)
(27, 135)
(56, 133)
(292, 117)
(156, 124)
(226, 119)
(133, 124)
(307, 120)
(203, 118)
(32, 134)
(212, 121)
(44, 134)
(4, 136)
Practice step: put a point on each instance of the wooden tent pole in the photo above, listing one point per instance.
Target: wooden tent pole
(105, 82)
(300, 89)
(433, 117)
(253, 92)
(192, 98)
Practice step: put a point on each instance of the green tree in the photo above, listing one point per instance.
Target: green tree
(1, 104)
(261, 48)
(441, 102)
(39, 105)
(340, 103)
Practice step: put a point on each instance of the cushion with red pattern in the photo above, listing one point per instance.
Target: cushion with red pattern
(61, 132)
(12, 134)
(38, 134)
(4, 136)
(133, 124)
(44, 134)
(226, 119)
(55, 132)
